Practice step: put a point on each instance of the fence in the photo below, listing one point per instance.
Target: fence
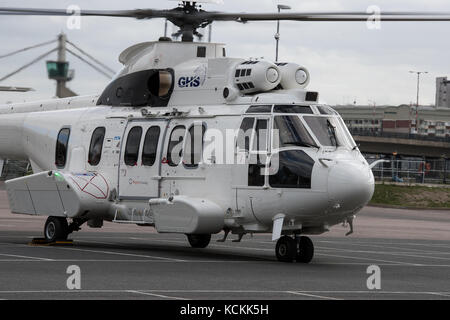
(413, 171)
(13, 169)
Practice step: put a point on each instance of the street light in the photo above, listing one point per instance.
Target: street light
(277, 35)
(418, 83)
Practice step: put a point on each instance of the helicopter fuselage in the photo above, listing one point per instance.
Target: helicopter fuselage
(190, 146)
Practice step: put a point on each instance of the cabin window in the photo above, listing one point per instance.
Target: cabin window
(201, 52)
(95, 149)
(150, 146)
(175, 148)
(132, 146)
(294, 170)
(194, 145)
(61, 147)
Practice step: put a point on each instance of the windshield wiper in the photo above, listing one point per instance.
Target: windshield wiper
(301, 144)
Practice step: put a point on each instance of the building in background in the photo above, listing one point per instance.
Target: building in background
(442, 92)
(403, 120)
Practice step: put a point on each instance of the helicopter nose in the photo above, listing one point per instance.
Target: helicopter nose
(350, 185)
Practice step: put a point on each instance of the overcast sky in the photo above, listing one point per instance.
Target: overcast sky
(347, 61)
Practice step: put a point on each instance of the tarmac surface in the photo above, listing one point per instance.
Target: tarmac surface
(411, 248)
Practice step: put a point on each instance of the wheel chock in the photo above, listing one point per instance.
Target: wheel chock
(45, 242)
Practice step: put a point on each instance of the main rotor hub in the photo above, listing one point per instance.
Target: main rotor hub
(189, 20)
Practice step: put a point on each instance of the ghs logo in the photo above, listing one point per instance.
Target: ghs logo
(185, 82)
(195, 81)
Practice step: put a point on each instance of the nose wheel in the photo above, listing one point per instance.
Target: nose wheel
(300, 249)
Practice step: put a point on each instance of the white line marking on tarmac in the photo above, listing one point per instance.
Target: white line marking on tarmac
(389, 247)
(440, 294)
(312, 295)
(25, 257)
(101, 251)
(384, 253)
(312, 292)
(369, 259)
(156, 295)
(324, 254)
(121, 254)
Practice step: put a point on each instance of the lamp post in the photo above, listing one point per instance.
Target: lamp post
(418, 83)
(417, 101)
(277, 35)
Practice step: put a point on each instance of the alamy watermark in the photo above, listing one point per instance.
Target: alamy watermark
(374, 280)
(74, 280)
(374, 20)
(74, 20)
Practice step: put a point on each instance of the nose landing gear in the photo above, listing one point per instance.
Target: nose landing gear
(289, 249)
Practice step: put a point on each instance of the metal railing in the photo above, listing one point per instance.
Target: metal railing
(13, 169)
(413, 171)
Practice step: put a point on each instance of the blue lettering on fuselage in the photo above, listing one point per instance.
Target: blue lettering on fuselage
(186, 82)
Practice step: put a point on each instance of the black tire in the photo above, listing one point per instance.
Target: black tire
(305, 250)
(199, 240)
(56, 228)
(286, 249)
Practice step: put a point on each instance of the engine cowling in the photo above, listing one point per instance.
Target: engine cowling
(293, 76)
(256, 76)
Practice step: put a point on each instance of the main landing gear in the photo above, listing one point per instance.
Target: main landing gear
(57, 228)
(300, 249)
(199, 240)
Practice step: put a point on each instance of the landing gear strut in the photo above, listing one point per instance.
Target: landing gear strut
(57, 228)
(199, 240)
(289, 249)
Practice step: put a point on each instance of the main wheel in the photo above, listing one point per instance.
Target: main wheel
(199, 240)
(305, 250)
(56, 228)
(286, 249)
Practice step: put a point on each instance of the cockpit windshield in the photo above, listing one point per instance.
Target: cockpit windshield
(330, 131)
(292, 132)
(323, 129)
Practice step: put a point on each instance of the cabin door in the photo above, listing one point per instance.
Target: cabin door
(140, 159)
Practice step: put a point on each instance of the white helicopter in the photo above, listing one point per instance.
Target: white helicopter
(188, 140)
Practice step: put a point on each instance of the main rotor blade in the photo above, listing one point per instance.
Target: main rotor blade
(99, 13)
(329, 16)
(196, 16)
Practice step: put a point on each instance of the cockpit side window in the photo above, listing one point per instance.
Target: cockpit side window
(245, 134)
(294, 170)
(260, 141)
(323, 129)
(291, 132)
(258, 154)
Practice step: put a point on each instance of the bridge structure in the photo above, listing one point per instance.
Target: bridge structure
(403, 145)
